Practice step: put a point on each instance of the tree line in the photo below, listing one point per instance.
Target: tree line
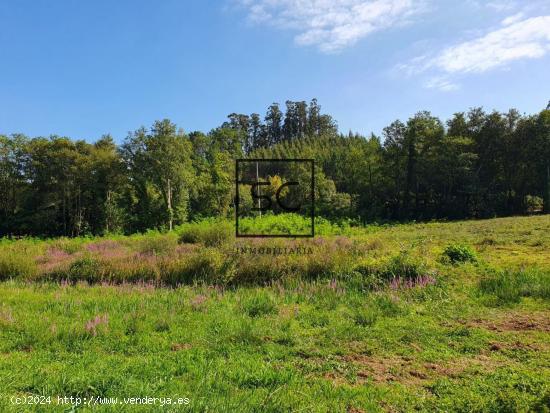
(477, 164)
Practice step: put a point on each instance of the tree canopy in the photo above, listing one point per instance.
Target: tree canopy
(476, 164)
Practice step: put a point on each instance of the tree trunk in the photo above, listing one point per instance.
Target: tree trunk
(546, 204)
(411, 179)
(108, 217)
(169, 205)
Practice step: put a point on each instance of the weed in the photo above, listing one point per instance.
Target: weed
(93, 326)
(459, 253)
(258, 304)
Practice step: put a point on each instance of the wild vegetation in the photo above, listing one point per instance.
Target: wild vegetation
(401, 317)
(475, 165)
(121, 276)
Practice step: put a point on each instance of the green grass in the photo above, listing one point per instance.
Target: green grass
(510, 286)
(372, 320)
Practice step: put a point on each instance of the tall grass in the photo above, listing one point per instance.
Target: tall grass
(16, 264)
(212, 259)
(208, 252)
(209, 232)
(508, 287)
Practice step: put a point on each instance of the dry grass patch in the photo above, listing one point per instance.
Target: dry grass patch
(516, 321)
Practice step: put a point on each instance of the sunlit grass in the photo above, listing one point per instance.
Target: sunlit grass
(372, 320)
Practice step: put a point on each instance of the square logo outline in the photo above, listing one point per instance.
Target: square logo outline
(312, 214)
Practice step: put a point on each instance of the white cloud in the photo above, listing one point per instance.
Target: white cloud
(512, 19)
(515, 40)
(441, 83)
(502, 5)
(332, 25)
(525, 39)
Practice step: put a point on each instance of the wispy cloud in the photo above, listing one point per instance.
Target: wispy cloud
(332, 25)
(516, 39)
(529, 38)
(512, 19)
(502, 5)
(441, 83)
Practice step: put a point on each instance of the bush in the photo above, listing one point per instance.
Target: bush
(275, 224)
(373, 274)
(262, 269)
(208, 265)
(533, 203)
(295, 224)
(210, 233)
(68, 245)
(85, 269)
(157, 244)
(130, 269)
(403, 266)
(459, 253)
(14, 265)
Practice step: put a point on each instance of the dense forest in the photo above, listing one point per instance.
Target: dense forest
(477, 164)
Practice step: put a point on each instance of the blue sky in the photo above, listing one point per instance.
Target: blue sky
(84, 68)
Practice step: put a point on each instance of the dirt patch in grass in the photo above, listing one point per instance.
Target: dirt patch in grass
(516, 345)
(378, 369)
(407, 371)
(537, 321)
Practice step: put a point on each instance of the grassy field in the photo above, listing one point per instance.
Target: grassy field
(416, 317)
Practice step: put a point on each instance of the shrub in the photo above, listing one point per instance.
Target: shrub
(157, 244)
(208, 265)
(372, 274)
(275, 224)
(260, 269)
(68, 245)
(130, 269)
(459, 253)
(210, 233)
(296, 224)
(403, 266)
(363, 280)
(533, 203)
(85, 269)
(258, 304)
(14, 265)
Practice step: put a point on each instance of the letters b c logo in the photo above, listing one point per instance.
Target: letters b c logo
(254, 190)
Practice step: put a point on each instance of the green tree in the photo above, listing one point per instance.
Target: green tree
(159, 162)
(273, 124)
(543, 137)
